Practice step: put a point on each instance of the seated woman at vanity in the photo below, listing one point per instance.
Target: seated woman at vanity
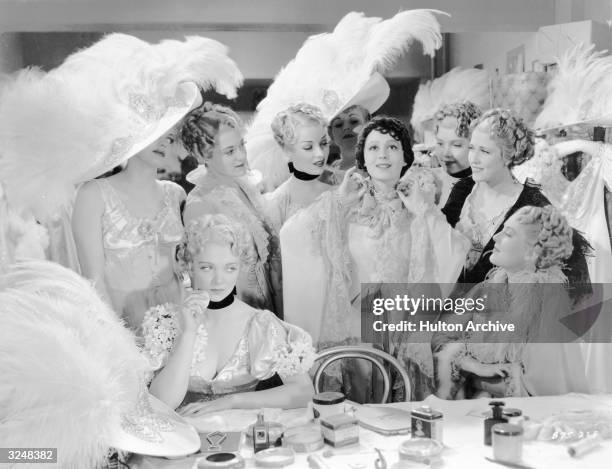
(214, 351)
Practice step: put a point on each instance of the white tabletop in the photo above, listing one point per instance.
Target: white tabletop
(463, 439)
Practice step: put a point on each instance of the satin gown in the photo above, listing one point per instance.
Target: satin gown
(139, 253)
(267, 346)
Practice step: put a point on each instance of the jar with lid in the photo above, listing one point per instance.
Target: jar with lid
(328, 403)
(507, 442)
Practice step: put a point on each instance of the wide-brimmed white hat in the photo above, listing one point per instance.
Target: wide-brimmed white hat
(72, 376)
(334, 71)
(103, 105)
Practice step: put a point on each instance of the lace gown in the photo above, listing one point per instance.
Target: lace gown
(376, 239)
(267, 346)
(139, 253)
(260, 285)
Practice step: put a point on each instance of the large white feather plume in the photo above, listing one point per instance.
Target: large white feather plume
(69, 368)
(330, 68)
(57, 129)
(457, 85)
(580, 91)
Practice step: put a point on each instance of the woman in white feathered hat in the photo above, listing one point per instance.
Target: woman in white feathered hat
(115, 102)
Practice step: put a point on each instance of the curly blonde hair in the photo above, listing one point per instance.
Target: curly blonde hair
(464, 112)
(285, 123)
(554, 242)
(216, 229)
(201, 126)
(515, 139)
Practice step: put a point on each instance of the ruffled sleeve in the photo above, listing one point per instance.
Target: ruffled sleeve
(159, 329)
(278, 347)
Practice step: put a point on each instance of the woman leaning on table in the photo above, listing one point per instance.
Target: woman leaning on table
(215, 352)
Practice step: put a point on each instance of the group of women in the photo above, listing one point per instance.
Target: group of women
(230, 291)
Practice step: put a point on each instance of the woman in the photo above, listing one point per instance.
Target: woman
(343, 129)
(214, 134)
(301, 132)
(127, 228)
(214, 350)
(452, 129)
(526, 289)
(368, 231)
(499, 141)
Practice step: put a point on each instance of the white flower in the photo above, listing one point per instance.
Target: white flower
(295, 358)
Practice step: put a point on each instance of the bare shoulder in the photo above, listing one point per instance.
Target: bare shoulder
(89, 194)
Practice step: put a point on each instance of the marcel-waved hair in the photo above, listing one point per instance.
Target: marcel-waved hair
(554, 242)
(515, 139)
(216, 229)
(201, 126)
(389, 126)
(285, 123)
(464, 112)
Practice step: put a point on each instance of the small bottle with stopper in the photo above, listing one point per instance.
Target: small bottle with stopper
(261, 439)
(497, 417)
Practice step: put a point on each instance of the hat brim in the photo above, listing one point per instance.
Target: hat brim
(189, 98)
(371, 96)
(181, 441)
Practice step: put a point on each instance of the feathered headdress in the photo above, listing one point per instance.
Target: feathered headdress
(330, 69)
(457, 85)
(71, 372)
(580, 92)
(103, 105)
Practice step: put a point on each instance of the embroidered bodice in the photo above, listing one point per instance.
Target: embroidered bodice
(266, 346)
(139, 252)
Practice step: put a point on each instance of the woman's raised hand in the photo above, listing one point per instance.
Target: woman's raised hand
(195, 304)
(417, 191)
(353, 185)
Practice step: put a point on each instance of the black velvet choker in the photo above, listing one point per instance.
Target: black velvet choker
(463, 173)
(302, 176)
(225, 302)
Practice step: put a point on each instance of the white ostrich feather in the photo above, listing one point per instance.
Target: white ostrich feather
(580, 91)
(329, 69)
(69, 368)
(59, 128)
(457, 85)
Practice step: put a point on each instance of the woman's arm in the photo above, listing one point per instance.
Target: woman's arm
(296, 391)
(87, 231)
(170, 384)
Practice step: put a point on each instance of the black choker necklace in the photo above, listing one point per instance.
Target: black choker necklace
(228, 300)
(302, 176)
(463, 173)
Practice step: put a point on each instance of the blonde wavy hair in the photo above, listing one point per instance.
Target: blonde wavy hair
(554, 242)
(217, 229)
(285, 123)
(515, 139)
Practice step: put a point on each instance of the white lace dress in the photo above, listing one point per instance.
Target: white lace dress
(343, 245)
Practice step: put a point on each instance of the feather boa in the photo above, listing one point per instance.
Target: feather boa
(69, 368)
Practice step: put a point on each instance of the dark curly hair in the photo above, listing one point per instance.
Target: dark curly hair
(515, 139)
(390, 126)
(464, 112)
(201, 126)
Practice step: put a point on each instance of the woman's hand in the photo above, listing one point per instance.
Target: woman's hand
(197, 409)
(192, 308)
(353, 185)
(490, 370)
